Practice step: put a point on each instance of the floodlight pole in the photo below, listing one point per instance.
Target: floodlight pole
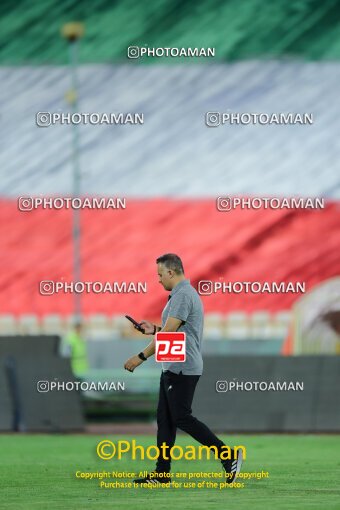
(73, 32)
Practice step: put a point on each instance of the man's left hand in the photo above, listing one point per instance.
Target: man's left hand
(132, 363)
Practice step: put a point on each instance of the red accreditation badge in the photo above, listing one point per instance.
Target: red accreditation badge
(170, 346)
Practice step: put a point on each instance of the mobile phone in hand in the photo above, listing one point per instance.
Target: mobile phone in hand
(135, 323)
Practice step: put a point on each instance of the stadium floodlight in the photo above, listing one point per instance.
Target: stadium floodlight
(72, 32)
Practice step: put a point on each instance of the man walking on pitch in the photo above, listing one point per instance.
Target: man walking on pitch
(183, 312)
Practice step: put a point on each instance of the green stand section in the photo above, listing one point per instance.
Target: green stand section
(251, 29)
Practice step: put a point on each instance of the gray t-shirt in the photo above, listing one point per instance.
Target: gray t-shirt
(186, 305)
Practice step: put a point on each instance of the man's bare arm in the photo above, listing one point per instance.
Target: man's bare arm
(172, 324)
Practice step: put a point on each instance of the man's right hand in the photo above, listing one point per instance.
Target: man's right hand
(148, 327)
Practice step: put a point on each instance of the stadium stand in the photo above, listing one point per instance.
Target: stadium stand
(151, 165)
(252, 246)
(306, 28)
(235, 325)
(137, 160)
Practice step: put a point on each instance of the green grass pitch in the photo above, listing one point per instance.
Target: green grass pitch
(38, 473)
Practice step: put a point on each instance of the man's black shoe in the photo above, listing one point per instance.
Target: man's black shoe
(154, 478)
(233, 466)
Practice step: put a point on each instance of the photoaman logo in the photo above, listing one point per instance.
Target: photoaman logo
(107, 450)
